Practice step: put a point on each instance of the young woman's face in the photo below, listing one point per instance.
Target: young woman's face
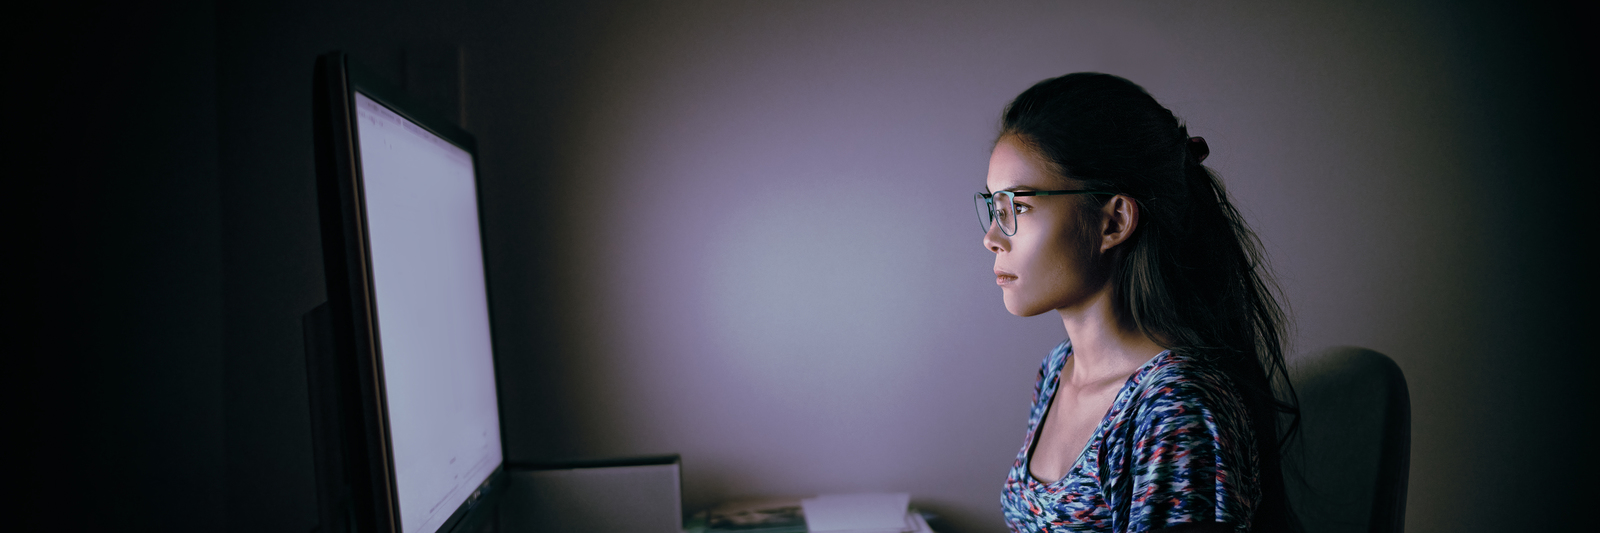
(1046, 264)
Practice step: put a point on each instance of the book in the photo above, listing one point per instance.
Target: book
(774, 515)
(788, 515)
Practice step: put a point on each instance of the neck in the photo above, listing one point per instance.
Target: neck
(1103, 346)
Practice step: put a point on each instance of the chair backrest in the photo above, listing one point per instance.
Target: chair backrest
(1347, 470)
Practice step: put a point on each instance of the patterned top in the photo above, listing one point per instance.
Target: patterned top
(1175, 447)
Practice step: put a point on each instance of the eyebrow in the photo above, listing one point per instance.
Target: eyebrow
(1014, 188)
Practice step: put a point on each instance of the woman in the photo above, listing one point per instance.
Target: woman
(1158, 413)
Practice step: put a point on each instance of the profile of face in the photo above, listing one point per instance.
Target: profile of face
(1050, 262)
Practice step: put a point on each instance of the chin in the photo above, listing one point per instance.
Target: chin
(1025, 310)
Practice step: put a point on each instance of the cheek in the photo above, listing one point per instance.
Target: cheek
(1053, 271)
(1050, 255)
(1048, 271)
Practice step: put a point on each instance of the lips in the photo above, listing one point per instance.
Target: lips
(1002, 277)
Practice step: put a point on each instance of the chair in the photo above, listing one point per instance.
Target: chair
(1347, 470)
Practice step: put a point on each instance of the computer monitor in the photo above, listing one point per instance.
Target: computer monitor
(406, 420)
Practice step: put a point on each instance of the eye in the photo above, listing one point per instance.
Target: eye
(1022, 208)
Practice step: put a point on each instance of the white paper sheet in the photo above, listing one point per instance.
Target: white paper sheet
(869, 512)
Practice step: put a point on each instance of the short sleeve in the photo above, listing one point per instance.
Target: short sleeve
(1188, 457)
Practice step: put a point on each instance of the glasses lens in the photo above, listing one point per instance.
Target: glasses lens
(984, 218)
(1005, 211)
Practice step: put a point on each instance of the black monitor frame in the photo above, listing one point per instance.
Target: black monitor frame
(356, 488)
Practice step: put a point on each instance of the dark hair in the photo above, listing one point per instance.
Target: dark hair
(1192, 275)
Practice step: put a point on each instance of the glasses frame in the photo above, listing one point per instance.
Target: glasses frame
(988, 199)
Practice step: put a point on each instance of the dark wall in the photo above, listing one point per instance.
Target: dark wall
(116, 397)
(1526, 84)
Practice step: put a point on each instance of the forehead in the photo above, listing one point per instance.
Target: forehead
(1012, 167)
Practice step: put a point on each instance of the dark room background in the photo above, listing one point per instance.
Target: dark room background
(741, 231)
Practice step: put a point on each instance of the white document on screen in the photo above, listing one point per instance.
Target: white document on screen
(432, 314)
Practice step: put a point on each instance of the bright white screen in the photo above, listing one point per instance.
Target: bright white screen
(433, 315)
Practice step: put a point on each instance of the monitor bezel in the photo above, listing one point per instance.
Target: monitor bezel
(365, 489)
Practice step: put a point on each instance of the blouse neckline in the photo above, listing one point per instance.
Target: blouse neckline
(1048, 395)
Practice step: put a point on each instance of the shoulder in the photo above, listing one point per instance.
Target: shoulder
(1178, 385)
(1181, 406)
(1177, 403)
(1185, 451)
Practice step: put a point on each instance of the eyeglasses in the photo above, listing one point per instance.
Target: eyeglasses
(1003, 206)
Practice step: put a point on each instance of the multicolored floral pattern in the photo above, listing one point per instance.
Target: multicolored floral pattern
(1176, 447)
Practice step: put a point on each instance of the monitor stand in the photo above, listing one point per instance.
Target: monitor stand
(335, 505)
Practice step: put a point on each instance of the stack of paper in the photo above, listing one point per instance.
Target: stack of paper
(862, 513)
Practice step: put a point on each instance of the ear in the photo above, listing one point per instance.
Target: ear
(1118, 218)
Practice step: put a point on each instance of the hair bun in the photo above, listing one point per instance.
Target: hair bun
(1199, 149)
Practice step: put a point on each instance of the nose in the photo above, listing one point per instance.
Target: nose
(995, 240)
